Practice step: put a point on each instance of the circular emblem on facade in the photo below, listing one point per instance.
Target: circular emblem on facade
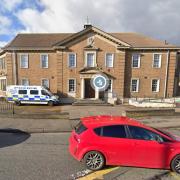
(100, 82)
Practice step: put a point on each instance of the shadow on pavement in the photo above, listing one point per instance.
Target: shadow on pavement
(10, 137)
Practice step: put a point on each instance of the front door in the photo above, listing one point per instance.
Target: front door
(89, 91)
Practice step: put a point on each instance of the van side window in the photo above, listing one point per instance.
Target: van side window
(22, 92)
(34, 92)
(44, 93)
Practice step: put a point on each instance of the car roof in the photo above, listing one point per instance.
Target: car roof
(105, 120)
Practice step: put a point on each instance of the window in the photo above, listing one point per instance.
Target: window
(109, 60)
(157, 60)
(22, 92)
(2, 63)
(117, 131)
(25, 82)
(144, 134)
(45, 83)
(155, 85)
(90, 61)
(80, 128)
(44, 60)
(72, 60)
(3, 84)
(72, 85)
(24, 61)
(34, 92)
(136, 60)
(110, 86)
(135, 85)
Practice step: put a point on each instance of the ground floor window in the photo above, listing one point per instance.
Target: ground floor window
(72, 85)
(109, 88)
(135, 85)
(25, 82)
(3, 84)
(155, 85)
(45, 83)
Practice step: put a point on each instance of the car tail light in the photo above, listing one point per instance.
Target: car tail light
(77, 139)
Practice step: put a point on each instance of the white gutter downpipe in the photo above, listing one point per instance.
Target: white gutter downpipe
(166, 77)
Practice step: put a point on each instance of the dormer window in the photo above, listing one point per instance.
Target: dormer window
(90, 59)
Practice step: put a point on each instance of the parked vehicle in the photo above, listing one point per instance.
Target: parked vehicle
(108, 140)
(30, 95)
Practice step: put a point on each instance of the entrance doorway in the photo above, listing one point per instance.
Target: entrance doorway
(89, 91)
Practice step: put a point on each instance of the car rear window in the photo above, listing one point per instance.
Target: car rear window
(80, 128)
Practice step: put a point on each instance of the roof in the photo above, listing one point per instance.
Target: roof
(50, 40)
(96, 121)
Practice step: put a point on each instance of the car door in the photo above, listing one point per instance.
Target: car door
(147, 151)
(114, 143)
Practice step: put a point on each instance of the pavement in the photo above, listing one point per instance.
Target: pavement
(49, 125)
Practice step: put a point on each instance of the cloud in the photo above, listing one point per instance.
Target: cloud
(10, 4)
(2, 43)
(5, 23)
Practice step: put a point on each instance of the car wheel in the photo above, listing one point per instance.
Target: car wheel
(18, 103)
(94, 160)
(175, 164)
(50, 103)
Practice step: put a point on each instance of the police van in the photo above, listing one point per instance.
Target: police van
(30, 95)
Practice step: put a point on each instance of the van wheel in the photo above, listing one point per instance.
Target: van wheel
(50, 103)
(18, 103)
(94, 160)
(175, 164)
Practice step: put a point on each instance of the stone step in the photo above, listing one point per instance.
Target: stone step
(89, 102)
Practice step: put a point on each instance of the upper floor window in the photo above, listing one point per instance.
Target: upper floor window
(109, 59)
(2, 63)
(24, 61)
(134, 85)
(72, 60)
(136, 60)
(155, 85)
(44, 60)
(25, 82)
(156, 60)
(90, 59)
(45, 83)
(72, 85)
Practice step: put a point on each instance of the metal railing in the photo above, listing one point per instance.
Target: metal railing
(6, 107)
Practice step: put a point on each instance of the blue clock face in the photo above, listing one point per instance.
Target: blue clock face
(100, 82)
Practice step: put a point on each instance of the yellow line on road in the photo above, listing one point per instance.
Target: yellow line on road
(177, 177)
(98, 174)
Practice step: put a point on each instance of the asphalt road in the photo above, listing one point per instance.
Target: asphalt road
(45, 156)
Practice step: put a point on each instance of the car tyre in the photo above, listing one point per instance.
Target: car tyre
(18, 103)
(175, 164)
(51, 103)
(94, 160)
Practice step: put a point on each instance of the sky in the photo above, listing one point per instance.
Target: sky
(159, 19)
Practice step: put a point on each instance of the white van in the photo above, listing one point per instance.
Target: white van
(30, 95)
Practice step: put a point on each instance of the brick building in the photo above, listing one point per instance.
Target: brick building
(137, 66)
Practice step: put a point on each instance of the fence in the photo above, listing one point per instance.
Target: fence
(6, 107)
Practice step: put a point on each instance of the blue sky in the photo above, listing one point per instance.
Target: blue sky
(156, 18)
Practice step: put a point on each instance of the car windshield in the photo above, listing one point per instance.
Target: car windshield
(47, 92)
(166, 133)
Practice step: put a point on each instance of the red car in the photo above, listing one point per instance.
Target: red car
(114, 140)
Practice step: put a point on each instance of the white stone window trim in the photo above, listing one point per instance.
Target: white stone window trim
(160, 60)
(112, 60)
(75, 63)
(74, 85)
(94, 62)
(137, 89)
(139, 60)
(24, 54)
(47, 60)
(26, 80)
(158, 85)
(45, 79)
